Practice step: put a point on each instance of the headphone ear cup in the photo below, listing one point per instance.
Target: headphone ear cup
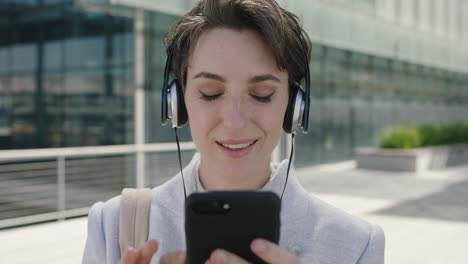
(182, 116)
(175, 106)
(288, 115)
(164, 106)
(293, 117)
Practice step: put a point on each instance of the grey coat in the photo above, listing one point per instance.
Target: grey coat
(313, 230)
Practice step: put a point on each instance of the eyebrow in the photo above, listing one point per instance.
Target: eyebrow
(255, 79)
(265, 77)
(209, 75)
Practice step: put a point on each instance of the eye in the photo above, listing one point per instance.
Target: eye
(207, 97)
(263, 99)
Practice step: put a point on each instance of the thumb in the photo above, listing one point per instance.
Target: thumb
(130, 256)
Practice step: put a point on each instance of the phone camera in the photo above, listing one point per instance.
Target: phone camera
(212, 207)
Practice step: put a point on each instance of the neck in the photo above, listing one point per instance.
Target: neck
(234, 177)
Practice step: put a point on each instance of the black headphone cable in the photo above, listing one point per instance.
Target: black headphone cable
(289, 163)
(180, 162)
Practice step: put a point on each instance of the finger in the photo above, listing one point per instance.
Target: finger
(220, 256)
(130, 256)
(177, 257)
(271, 253)
(148, 251)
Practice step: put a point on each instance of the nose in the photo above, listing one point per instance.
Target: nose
(234, 113)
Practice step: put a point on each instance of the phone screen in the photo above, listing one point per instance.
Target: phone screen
(230, 220)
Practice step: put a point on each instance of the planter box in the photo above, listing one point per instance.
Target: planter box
(417, 160)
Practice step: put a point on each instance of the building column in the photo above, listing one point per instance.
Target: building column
(139, 80)
(39, 98)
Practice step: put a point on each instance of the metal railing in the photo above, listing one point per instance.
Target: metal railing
(39, 185)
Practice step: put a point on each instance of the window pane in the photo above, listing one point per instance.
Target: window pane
(24, 57)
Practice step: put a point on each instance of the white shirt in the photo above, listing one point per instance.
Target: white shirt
(199, 186)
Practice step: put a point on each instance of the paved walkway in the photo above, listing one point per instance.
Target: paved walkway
(425, 217)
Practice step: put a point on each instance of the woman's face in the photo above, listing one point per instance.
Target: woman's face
(236, 98)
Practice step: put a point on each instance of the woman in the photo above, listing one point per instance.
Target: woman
(237, 61)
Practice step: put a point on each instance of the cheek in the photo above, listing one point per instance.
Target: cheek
(271, 118)
(200, 117)
(200, 112)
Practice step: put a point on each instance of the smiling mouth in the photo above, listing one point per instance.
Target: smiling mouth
(237, 147)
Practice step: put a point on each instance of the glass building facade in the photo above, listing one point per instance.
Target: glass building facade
(66, 76)
(69, 78)
(358, 96)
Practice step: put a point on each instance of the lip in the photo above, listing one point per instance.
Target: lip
(237, 153)
(236, 141)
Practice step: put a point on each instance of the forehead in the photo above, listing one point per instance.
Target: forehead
(228, 49)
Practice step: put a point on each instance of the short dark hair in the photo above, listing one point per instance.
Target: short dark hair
(278, 27)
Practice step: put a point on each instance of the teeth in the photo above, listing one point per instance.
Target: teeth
(237, 146)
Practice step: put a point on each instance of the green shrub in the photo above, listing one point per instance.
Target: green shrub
(453, 133)
(425, 135)
(402, 138)
(429, 135)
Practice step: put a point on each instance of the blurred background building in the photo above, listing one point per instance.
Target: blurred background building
(80, 85)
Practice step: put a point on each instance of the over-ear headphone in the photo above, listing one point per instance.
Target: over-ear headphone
(296, 115)
(172, 102)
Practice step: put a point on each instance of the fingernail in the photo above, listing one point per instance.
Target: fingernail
(129, 251)
(259, 245)
(220, 256)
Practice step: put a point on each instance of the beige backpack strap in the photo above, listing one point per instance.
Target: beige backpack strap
(134, 218)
